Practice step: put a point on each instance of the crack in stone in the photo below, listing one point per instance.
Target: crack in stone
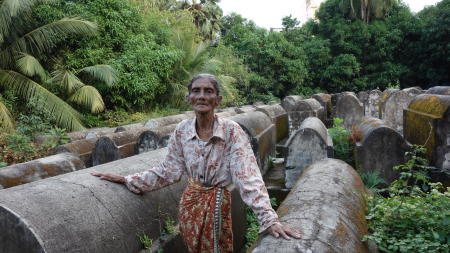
(101, 202)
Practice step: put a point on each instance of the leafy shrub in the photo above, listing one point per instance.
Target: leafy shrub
(416, 216)
(17, 148)
(343, 149)
(372, 180)
(253, 226)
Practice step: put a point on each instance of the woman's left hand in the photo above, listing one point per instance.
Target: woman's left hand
(277, 229)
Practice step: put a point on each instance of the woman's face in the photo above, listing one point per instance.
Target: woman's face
(203, 96)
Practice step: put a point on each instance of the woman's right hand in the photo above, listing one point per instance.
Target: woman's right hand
(110, 177)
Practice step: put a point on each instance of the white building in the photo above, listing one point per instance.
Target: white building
(311, 7)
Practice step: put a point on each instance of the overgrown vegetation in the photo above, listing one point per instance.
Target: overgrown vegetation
(253, 226)
(343, 148)
(416, 215)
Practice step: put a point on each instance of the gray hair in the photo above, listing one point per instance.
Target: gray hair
(212, 79)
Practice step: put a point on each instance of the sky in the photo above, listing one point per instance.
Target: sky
(268, 14)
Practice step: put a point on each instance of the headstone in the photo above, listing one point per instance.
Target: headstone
(290, 102)
(169, 120)
(395, 104)
(38, 169)
(305, 108)
(327, 207)
(372, 108)
(105, 151)
(380, 149)
(279, 118)
(384, 96)
(305, 146)
(427, 123)
(350, 109)
(363, 96)
(325, 102)
(261, 134)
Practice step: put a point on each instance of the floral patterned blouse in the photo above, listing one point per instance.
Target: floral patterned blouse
(227, 158)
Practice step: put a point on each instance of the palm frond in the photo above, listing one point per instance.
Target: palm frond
(10, 9)
(101, 72)
(44, 38)
(30, 66)
(65, 115)
(66, 79)
(6, 120)
(88, 96)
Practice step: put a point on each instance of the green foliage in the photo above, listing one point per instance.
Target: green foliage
(413, 173)
(372, 180)
(343, 149)
(416, 215)
(3, 164)
(253, 226)
(146, 241)
(17, 148)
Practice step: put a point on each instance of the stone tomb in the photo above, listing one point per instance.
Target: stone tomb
(77, 212)
(439, 90)
(380, 149)
(350, 109)
(327, 207)
(305, 146)
(262, 136)
(395, 104)
(38, 169)
(427, 122)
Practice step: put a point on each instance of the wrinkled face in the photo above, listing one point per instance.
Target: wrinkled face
(203, 96)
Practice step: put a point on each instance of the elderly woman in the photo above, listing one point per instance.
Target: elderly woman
(214, 153)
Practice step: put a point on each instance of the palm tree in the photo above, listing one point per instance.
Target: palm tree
(74, 84)
(20, 71)
(206, 16)
(366, 10)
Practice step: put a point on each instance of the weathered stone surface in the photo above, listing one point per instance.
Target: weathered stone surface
(77, 212)
(325, 102)
(384, 96)
(306, 146)
(245, 108)
(327, 207)
(154, 139)
(350, 109)
(372, 107)
(363, 96)
(80, 135)
(427, 122)
(290, 102)
(105, 151)
(47, 216)
(305, 108)
(261, 133)
(279, 118)
(38, 169)
(395, 104)
(81, 148)
(169, 120)
(380, 149)
(439, 90)
(121, 145)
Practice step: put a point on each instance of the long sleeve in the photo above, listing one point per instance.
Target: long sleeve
(168, 172)
(247, 177)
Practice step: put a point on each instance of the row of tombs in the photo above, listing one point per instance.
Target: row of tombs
(64, 211)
